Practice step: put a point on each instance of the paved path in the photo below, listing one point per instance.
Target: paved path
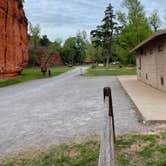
(150, 102)
(55, 110)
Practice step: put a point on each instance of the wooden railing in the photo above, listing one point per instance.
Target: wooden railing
(107, 154)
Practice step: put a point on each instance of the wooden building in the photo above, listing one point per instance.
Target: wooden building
(151, 60)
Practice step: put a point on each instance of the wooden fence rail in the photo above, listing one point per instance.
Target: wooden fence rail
(107, 154)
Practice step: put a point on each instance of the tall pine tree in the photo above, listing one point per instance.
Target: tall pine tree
(103, 35)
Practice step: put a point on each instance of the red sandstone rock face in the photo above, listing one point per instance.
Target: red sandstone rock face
(55, 60)
(13, 38)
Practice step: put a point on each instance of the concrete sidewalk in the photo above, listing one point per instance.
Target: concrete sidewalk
(150, 102)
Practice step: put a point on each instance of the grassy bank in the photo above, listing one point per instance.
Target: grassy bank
(131, 150)
(114, 70)
(32, 73)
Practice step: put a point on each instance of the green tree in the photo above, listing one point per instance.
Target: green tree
(94, 54)
(74, 48)
(44, 41)
(137, 20)
(34, 33)
(108, 27)
(154, 20)
(80, 46)
(103, 35)
(55, 46)
(97, 41)
(69, 51)
(135, 29)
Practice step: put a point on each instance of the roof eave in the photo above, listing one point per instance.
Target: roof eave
(156, 35)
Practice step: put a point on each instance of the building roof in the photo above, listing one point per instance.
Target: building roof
(154, 36)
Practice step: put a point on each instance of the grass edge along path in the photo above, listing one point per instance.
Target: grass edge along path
(131, 150)
(33, 73)
(114, 70)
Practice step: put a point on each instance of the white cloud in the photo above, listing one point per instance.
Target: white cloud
(63, 18)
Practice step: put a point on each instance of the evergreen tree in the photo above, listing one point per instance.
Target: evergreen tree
(103, 35)
(108, 27)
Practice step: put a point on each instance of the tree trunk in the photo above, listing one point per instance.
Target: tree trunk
(97, 54)
(107, 62)
(104, 58)
(155, 28)
(108, 56)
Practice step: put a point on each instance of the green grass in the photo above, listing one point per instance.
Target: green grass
(114, 70)
(33, 73)
(142, 150)
(131, 150)
(84, 154)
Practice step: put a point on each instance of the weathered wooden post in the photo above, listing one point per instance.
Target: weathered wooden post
(107, 155)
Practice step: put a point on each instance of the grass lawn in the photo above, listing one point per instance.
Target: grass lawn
(131, 150)
(142, 150)
(114, 70)
(32, 73)
(84, 154)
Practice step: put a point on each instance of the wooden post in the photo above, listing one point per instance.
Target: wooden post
(107, 155)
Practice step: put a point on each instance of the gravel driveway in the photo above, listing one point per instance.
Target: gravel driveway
(66, 107)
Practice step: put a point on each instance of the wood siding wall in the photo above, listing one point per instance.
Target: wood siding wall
(153, 64)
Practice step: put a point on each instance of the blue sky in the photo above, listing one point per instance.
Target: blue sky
(63, 18)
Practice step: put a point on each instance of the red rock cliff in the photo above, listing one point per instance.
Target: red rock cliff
(13, 38)
(55, 60)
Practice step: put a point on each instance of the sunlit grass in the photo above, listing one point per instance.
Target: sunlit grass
(32, 73)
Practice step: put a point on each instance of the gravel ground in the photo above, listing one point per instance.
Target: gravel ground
(66, 107)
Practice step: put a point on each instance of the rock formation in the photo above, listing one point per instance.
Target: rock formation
(13, 38)
(44, 58)
(55, 60)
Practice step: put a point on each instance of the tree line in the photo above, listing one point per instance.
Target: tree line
(119, 31)
(72, 51)
(112, 40)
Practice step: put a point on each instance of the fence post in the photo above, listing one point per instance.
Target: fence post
(107, 155)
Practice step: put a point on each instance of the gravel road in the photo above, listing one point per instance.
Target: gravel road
(66, 107)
